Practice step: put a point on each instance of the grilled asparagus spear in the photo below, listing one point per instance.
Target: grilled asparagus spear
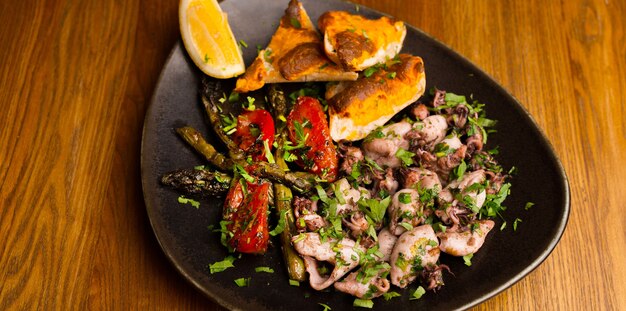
(211, 106)
(199, 180)
(293, 261)
(197, 141)
(263, 169)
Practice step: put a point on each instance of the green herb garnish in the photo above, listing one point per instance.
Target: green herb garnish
(222, 265)
(418, 293)
(242, 282)
(264, 269)
(183, 200)
(363, 303)
(467, 259)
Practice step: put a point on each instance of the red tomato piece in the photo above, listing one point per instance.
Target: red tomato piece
(253, 127)
(246, 209)
(307, 124)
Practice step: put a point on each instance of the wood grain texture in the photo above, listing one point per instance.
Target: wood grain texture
(76, 78)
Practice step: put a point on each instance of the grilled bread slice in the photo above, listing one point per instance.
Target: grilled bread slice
(355, 42)
(357, 108)
(294, 54)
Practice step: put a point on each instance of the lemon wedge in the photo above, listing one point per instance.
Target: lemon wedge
(208, 38)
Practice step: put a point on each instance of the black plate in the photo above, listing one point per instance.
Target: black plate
(182, 231)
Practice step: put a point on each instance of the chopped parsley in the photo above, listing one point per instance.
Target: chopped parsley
(225, 233)
(377, 133)
(439, 227)
(267, 55)
(280, 227)
(374, 208)
(363, 303)
(233, 97)
(222, 265)
(406, 226)
(418, 293)
(451, 97)
(467, 259)
(404, 198)
(321, 193)
(301, 138)
(370, 71)
(442, 150)
(326, 307)
(295, 23)
(493, 203)
(405, 156)
(459, 171)
(249, 105)
(515, 222)
(390, 295)
(268, 152)
(229, 123)
(242, 282)
(300, 238)
(183, 200)
(242, 172)
(528, 205)
(264, 269)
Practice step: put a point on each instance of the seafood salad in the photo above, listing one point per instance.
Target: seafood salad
(363, 181)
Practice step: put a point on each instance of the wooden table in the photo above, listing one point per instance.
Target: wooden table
(76, 79)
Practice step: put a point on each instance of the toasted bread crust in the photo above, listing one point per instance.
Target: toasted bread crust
(355, 42)
(357, 108)
(291, 56)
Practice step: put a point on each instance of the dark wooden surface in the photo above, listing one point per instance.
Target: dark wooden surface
(76, 78)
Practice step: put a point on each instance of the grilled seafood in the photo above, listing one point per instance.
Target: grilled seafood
(378, 209)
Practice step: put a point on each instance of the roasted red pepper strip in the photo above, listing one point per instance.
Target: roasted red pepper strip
(307, 124)
(246, 209)
(253, 127)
